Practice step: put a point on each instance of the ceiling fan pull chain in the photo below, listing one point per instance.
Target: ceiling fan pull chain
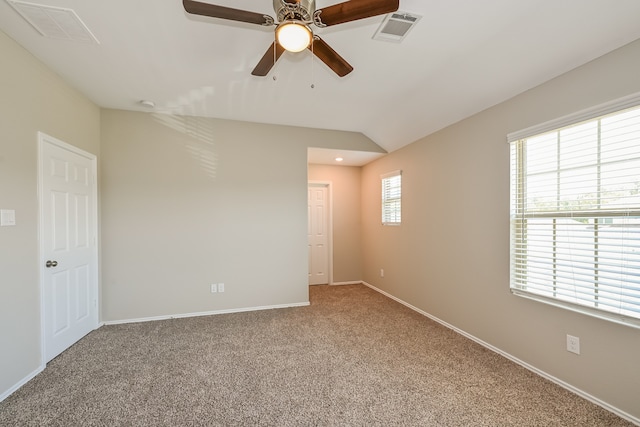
(312, 62)
(275, 48)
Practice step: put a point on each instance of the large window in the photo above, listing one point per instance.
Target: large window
(575, 213)
(392, 198)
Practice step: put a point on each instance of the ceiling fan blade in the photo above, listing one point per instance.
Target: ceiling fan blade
(206, 9)
(353, 10)
(268, 60)
(326, 54)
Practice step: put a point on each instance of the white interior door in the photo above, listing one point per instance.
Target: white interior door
(68, 244)
(318, 234)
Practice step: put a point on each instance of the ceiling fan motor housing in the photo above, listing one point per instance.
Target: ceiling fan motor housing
(300, 10)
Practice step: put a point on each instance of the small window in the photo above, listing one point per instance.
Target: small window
(391, 198)
(575, 214)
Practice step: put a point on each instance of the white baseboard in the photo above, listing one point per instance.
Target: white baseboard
(204, 313)
(514, 359)
(22, 382)
(357, 282)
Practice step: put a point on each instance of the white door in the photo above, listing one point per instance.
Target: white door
(318, 234)
(68, 244)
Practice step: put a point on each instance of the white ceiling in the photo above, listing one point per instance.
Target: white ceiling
(462, 57)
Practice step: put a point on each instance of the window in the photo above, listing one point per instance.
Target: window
(391, 198)
(575, 212)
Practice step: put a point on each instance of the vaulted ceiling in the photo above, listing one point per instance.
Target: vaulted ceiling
(463, 56)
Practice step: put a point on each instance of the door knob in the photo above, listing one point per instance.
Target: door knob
(50, 264)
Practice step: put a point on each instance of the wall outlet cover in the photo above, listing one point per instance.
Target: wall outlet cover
(573, 344)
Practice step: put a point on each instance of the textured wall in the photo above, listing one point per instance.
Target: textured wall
(450, 256)
(191, 201)
(33, 99)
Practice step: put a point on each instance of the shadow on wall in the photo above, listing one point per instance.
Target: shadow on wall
(201, 146)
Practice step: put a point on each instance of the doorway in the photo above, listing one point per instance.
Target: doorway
(68, 244)
(319, 233)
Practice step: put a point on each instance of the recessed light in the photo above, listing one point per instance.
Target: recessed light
(148, 104)
(339, 159)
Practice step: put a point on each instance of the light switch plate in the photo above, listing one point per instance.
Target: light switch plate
(7, 217)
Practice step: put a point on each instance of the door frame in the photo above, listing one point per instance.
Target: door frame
(329, 186)
(43, 139)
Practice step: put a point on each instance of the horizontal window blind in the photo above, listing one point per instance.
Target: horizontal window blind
(392, 198)
(575, 216)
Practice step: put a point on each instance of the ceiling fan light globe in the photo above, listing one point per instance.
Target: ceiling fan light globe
(293, 36)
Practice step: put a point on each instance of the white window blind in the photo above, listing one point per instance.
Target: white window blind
(575, 215)
(392, 198)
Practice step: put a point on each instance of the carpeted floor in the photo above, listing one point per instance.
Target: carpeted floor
(352, 358)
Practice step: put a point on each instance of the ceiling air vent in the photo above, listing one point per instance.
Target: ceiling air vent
(54, 22)
(395, 26)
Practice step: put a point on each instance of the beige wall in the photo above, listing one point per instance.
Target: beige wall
(346, 216)
(191, 201)
(188, 201)
(32, 99)
(450, 256)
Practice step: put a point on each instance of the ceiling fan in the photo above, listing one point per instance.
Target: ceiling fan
(293, 20)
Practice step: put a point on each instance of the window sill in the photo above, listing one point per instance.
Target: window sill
(611, 317)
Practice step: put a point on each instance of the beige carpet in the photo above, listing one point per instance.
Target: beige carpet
(352, 358)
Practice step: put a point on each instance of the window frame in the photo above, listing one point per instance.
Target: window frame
(391, 203)
(519, 214)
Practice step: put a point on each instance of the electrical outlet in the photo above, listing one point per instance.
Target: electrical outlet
(382, 272)
(220, 287)
(573, 344)
(214, 288)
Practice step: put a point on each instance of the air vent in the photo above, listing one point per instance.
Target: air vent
(396, 26)
(54, 22)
